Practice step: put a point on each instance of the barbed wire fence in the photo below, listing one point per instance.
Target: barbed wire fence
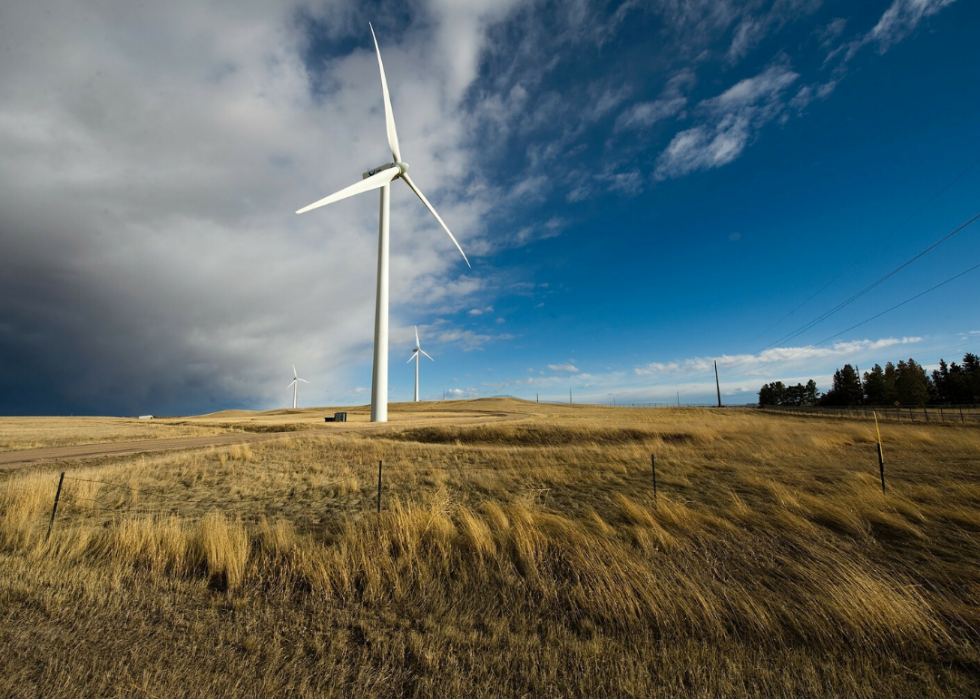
(957, 414)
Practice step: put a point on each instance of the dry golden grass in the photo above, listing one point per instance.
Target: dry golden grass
(36, 432)
(525, 557)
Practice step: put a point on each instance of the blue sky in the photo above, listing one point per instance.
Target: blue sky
(643, 189)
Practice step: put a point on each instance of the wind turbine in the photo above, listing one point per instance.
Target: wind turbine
(295, 383)
(379, 178)
(415, 355)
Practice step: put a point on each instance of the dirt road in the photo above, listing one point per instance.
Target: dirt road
(21, 457)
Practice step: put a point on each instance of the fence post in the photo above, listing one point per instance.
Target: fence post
(379, 486)
(911, 416)
(653, 468)
(962, 421)
(942, 418)
(54, 510)
(881, 459)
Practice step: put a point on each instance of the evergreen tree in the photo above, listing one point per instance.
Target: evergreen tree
(971, 375)
(911, 383)
(811, 395)
(891, 375)
(777, 393)
(941, 380)
(875, 388)
(847, 389)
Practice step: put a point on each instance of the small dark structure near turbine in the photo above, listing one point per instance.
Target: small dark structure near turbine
(337, 417)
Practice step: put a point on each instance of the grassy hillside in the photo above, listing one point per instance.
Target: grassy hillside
(521, 557)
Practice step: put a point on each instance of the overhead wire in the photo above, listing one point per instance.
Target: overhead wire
(866, 252)
(827, 314)
(867, 320)
(880, 280)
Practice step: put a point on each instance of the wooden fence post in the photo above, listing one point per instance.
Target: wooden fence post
(653, 468)
(54, 510)
(881, 459)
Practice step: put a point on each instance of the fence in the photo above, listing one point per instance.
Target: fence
(87, 496)
(961, 414)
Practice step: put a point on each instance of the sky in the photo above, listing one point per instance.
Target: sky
(642, 188)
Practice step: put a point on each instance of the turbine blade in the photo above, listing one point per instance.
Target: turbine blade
(379, 179)
(389, 116)
(417, 336)
(411, 358)
(303, 380)
(294, 371)
(290, 384)
(442, 223)
(426, 354)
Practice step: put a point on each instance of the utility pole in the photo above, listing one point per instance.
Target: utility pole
(717, 385)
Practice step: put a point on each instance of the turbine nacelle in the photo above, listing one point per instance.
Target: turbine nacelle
(402, 169)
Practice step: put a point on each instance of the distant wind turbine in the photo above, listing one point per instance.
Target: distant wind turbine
(295, 384)
(379, 178)
(415, 355)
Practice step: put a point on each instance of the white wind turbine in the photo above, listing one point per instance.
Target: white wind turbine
(415, 355)
(379, 178)
(295, 384)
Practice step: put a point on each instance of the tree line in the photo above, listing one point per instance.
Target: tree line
(905, 383)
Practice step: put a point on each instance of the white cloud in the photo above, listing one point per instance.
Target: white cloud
(797, 355)
(751, 92)
(897, 22)
(646, 114)
(468, 340)
(564, 368)
(832, 31)
(731, 119)
(902, 18)
(462, 393)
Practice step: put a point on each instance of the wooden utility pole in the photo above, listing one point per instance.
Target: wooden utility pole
(717, 384)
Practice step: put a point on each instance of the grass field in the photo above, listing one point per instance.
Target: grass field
(36, 432)
(521, 557)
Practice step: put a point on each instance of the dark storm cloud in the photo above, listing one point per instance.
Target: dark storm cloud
(152, 158)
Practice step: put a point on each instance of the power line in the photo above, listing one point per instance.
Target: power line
(827, 314)
(868, 320)
(898, 305)
(867, 252)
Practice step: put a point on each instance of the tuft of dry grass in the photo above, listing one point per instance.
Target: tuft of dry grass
(516, 558)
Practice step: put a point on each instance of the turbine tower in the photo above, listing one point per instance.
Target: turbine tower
(295, 384)
(415, 355)
(380, 178)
